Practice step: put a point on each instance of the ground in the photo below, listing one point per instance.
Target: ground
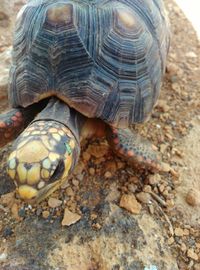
(159, 226)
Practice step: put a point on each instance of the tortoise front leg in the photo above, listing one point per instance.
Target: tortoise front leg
(13, 122)
(133, 148)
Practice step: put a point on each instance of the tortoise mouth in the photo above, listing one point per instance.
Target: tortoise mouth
(38, 195)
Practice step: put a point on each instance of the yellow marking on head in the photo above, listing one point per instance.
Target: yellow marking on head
(56, 137)
(26, 192)
(53, 142)
(12, 173)
(33, 174)
(68, 164)
(61, 133)
(41, 185)
(22, 172)
(126, 17)
(53, 157)
(72, 144)
(53, 130)
(23, 143)
(60, 13)
(33, 151)
(25, 134)
(45, 174)
(46, 142)
(46, 163)
(12, 155)
(37, 132)
(12, 163)
(30, 128)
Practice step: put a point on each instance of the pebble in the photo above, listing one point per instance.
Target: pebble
(69, 191)
(151, 209)
(15, 211)
(91, 171)
(53, 203)
(147, 189)
(183, 247)
(3, 257)
(86, 156)
(193, 197)
(170, 241)
(179, 232)
(7, 199)
(154, 179)
(111, 166)
(143, 197)
(70, 218)
(45, 214)
(191, 254)
(191, 54)
(130, 203)
(108, 175)
(197, 266)
(75, 182)
(7, 232)
(98, 151)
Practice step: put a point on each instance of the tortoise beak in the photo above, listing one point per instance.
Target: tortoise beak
(34, 196)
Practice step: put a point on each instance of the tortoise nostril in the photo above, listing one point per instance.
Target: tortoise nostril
(58, 172)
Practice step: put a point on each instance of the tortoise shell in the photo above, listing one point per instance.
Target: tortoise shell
(105, 58)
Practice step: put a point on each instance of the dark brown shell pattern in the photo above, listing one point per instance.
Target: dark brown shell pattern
(104, 58)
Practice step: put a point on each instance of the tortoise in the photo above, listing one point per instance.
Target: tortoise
(81, 68)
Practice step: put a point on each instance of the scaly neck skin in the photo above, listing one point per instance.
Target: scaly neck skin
(92, 128)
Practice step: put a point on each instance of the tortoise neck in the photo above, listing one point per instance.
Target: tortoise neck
(59, 111)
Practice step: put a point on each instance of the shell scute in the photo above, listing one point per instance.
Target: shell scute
(104, 58)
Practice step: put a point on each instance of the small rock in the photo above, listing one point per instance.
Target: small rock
(3, 257)
(165, 167)
(193, 197)
(179, 232)
(147, 189)
(108, 175)
(170, 241)
(7, 199)
(197, 266)
(86, 156)
(7, 232)
(91, 171)
(132, 187)
(70, 218)
(183, 247)
(98, 151)
(75, 182)
(130, 203)
(69, 191)
(15, 211)
(162, 106)
(154, 179)
(151, 209)
(143, 197)
(111, 166)
(45, 214)
(191, 254)
(53, 203)
(191, 54)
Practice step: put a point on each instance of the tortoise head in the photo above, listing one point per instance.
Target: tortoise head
(41, 159)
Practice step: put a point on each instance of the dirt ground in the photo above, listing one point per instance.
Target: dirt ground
(174, 128)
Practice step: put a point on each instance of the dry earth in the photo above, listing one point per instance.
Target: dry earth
(165, 232)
